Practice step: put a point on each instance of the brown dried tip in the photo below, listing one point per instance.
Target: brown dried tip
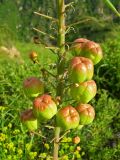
(33, 56)
(27, 115)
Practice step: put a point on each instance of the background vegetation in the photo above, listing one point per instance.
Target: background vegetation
(101, 139)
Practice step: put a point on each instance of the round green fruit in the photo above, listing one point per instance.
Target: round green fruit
(88, 49)
(83, 92)
(67, 118)
(29, 120)
(80, 69)
(86, 113)
(77, 46)
(44, 107)
(33, 87)
(93, 51)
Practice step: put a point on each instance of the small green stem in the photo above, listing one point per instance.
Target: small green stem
(45, 16)
(56, 143)
(44, 70)
(61, 26)
(60, 65)
(61, 45)
(64, 134)
(44, 33)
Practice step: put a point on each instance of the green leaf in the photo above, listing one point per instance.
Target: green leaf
(111, 6)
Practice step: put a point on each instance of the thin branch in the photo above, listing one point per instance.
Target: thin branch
(36, 133)
(64, 134)
(46, 16)
(69, 29)
(45, 70)
(49, 127)
(69, 4)
(76, 23)
(51, 26)
(52, 140)
(52, 47)
(61, 136)
(44, 33)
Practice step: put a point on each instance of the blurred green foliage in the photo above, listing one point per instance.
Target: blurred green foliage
(107, 73)
(9, 18)
(97, 21)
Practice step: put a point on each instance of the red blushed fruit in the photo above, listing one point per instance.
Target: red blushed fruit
(93, 51)
(44, 107)
(29, 120)
(33, 87)
(88, 49)
(78, 45)
(80, 69)
(83, 92)
(86, 113)
(67, 118)
(81, 40)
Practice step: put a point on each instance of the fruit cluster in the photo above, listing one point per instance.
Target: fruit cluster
(82, 89)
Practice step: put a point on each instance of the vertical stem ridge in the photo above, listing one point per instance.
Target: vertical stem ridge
(61, 44)
(60, 66)
(56, 143)
(61, 26)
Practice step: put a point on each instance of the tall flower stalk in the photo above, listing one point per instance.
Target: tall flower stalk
(61, 45)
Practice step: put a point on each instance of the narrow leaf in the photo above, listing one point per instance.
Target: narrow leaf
(111, 6)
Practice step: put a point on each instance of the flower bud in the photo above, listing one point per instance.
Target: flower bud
(29, 120)
(78, 148)
(86, 113)
(33, 56)
(33, 87)
(67, 118)
(83, 92)
(76, 140)
(80, 69)
(44, 107)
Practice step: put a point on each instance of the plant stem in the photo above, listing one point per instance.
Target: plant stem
(44, 33)
(45, 16)
(56, 143)
(61, 44)
(60, 65)
(61, 26)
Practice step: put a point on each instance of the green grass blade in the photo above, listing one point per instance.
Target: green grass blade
(111, 6)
